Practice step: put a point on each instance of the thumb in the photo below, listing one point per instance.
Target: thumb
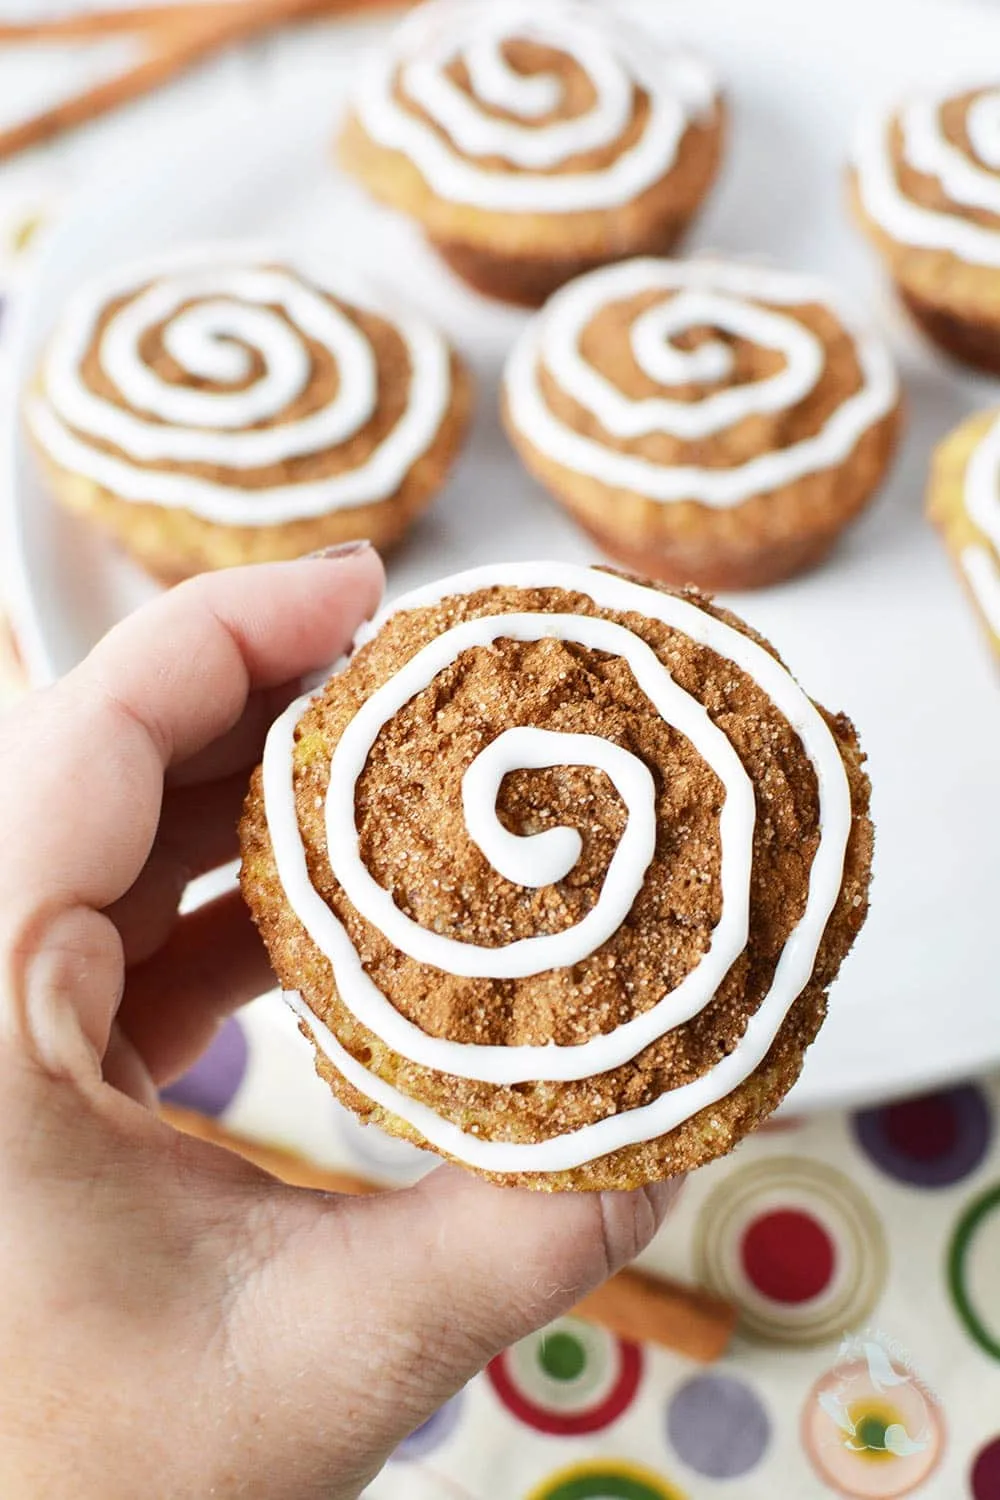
(398, 1299)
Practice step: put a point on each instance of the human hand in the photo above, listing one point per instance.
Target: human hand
(174, 1321)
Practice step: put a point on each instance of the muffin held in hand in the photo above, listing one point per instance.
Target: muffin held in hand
(534, 139)
(556, 874)
(707, 423)
(217, 408)
(963, 501)
(926, 186)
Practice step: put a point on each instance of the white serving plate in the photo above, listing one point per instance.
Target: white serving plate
(881, 631)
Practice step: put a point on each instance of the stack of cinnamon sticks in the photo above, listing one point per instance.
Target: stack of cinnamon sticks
(171, 37)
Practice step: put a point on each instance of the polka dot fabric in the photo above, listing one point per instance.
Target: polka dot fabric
(863, 1251)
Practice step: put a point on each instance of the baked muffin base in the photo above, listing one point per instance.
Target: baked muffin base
(973, 343)
(172, 544)
(718, 568)
(954, 303)
(713, 1132)
(747, 547)
(530, 280)
(522, 258)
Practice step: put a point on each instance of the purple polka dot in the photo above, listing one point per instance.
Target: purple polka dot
(210, 1086)
(718, 1426)
(932, 1141)
(435, 1431)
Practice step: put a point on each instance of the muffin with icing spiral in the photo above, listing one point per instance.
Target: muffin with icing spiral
(556, 872)
(225, 405)
(708, 423)
(963, 501)
(534, 139)
(925, 183)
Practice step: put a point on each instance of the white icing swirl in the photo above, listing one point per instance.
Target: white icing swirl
(546, 857)
(218, 308)
(970, 180)
(616, 58)
(695, 294)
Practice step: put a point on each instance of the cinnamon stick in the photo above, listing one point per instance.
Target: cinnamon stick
(178, 38)
(634, 1304)
(653, 1309)
(292, 1169)
(87, 25)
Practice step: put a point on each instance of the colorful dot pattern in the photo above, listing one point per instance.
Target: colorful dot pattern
(569, 1380)
(863, 1253)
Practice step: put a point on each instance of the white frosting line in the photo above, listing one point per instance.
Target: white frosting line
(625, 874)
(232, 311)
(980, 568)
(532, 147)
(793, 970)
(927, 150)
(616, 57)
(538, 859)
(708, 293)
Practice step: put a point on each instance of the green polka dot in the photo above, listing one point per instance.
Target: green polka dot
(605, 1487)
(562, 1356)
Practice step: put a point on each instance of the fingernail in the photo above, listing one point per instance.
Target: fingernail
(342, 549)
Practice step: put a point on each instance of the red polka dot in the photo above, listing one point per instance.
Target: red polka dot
(788, 1256)
(923, 1129)
(986, 1473)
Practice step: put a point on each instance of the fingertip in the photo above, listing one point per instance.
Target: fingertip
(356, 562)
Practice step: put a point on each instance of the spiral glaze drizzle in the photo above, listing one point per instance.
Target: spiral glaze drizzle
(510, 854)
(971, 180)
(219, 310)
(695, 294)
(462, 129)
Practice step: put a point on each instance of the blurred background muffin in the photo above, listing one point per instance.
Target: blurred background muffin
(215, 408)
(534, 139)
(707, 423)
(926, 188)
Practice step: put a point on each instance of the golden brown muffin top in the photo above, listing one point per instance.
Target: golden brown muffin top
(414, 842)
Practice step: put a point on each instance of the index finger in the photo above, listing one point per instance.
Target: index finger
(84, 781)
(183, 667)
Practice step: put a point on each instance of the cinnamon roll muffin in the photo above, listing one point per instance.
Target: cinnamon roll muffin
(222, 406)
(963, 501)
(926, 189)
(556, 873)
(708, 423)
(534, 139)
